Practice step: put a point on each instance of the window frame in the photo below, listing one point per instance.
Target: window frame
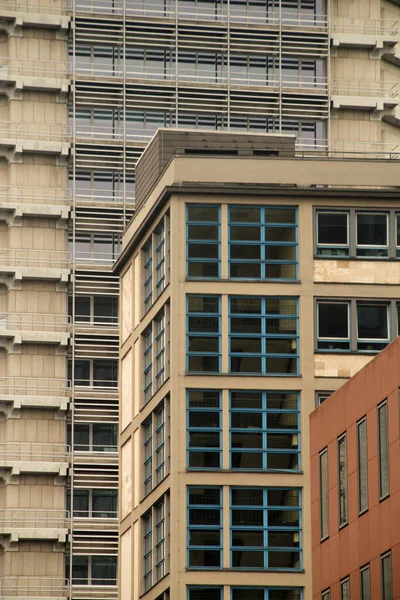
(197, 527)
(343, 484)
(365, 569)
(382, 493)
(386, 556)
(196, 241)
(154, 441)
(345, 582)
(155, 263)
(190, 428)
(210, 334)
(362, 507)
(324, 524)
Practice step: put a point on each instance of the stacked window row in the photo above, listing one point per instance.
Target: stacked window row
(155, 525)
(156, 264)
(156, 354)
(155, 432)
(265, 528)
(263, 335)
(264, 430)
(362, 470)
(245, 593)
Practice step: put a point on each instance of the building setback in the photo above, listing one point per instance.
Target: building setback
(246, 299)
(354, 444)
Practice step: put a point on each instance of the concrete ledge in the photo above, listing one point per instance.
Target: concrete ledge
(35, 533)
(46, 402)
(46, 468)
(26, 19)
(359, 40)
(34, 337)
(362, 102)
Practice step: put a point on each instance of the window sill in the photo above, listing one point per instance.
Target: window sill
(241, 280)
(191, 374)
(247, 471)
(358, 258)
(349, 352)
(241, 570)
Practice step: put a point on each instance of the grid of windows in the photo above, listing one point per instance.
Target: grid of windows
(357, 233)
(159, 242)
(148, 551)
(262, 242)
(342, 480)
(204, 422)
(362, 465)
(265, 528)
(159, 326)
(383, 450)
(159, 510)
(203, 334)
(353, 325)
(148, 364)
(203, 240)
(204, 527)
(263, 335)
(155, 525)
(264, 430)
(155, 344)
(155, 263)
(92, 570)
(245, 593)
(155, 447)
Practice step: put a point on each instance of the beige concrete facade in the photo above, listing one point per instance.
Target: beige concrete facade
(187, 181)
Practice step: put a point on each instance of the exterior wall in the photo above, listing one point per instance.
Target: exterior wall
(368, 536)
(318, 370)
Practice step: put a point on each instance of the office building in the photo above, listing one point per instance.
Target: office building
(354, 444)
(85, 85)
(246, 297)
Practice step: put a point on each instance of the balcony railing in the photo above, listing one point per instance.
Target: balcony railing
(379, 89)
(96, 449)
(33, 322)
(88, 322)
(34, 258)
(376, 27)
(34, 195)
(34, 131)
(96, 258)
(96, 515)
(97, 385)
(33, 68)
(20, 585)
(34, 386)
(347, 149)
(33, 518)
(32, 451)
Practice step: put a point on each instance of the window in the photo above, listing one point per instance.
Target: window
(345, 589)
(262, 242)
(383, 450)
(148, 364)
(263, 335)
(320, 397)
(96, 372)
(386, 575)
(155, 263)
(205, 593)
(264, 430)
(204, 429)
(342, 480)
(155, 440)
(95, 248)
(203, 241)
(92, 570)
(204, 527)
(270, 593)
(148, 551)
(265, 528)
(155, 339)
(159, 510)
(365, 583)
(334, 330)
(159, 325)
(324, 494)
(203, 334)
(357, 234)
(103, 186)
(326, 595)
(362, 466)
(93, 437)
(93, 503)
(95, 310)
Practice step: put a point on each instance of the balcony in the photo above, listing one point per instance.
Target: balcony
(34, 457)
(349, 32)
(365, 95)
(30, 524)
(29, 588)
(33, 328)
(34, 392)
(35, 14)
(17, 264)
(100, 520)
(17, 138)
(18, 74)
(17, 202)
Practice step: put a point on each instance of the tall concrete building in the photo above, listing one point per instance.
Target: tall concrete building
(254, 283)
(84, 88)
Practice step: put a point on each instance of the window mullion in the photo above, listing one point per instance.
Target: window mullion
(352, 232)
(353, 325)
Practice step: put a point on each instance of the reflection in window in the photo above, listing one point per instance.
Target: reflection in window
(264, 430)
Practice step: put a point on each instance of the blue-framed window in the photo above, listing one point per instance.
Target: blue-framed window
(148, 364)
(263, 335)
(263, 242)
(148, 455)
(148, 552)
(196, 592)
(160, 442)
(372, 319)
(264, 430)
(270, 593)
(204, 520)
(159, 332)
(203, 334)
(204, 429)
(148, 274)
(265, 528)
(159, 240)
(203, 241)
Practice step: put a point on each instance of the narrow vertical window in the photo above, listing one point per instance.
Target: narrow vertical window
(159, 326)
(383, 450)
(204, 527)
(147, 367)
(365, 583)
(204, 334)
(160, 443)
(148, 275)
(148, 552)
(324, 494)
(148, 456)
(326, 595)
(159, 510)
(345, 589)
(203, 241)
(159, 241)
(342, 463)
(204, 429)
(386, 575)
(362, 460)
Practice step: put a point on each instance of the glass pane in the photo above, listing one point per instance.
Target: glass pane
(332, 228)
(372, 229)
(372, 321)
(333, 320)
